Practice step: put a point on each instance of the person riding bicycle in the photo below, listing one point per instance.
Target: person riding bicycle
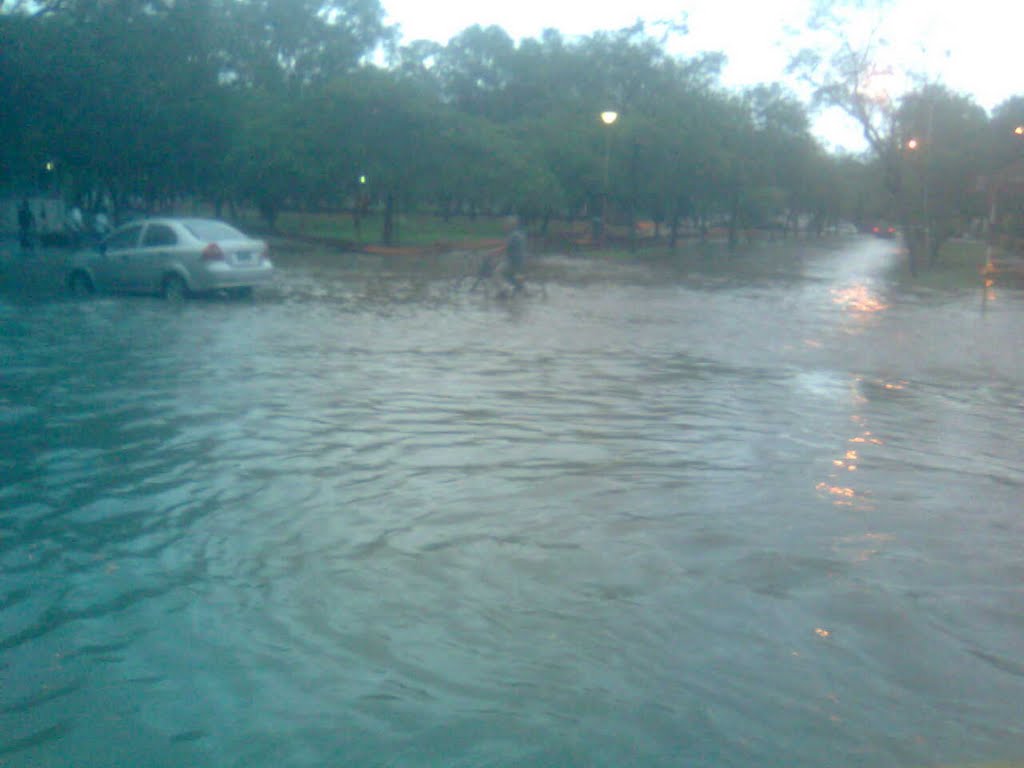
(515, 254)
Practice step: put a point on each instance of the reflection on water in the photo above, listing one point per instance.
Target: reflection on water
(838, 485)
(858, 298)
(651, 515)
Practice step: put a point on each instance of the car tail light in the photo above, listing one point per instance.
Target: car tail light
(265, 254)
(212, 252)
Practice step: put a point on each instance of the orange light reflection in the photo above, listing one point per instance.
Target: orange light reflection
(835, 490)
(858, 299)
(836, 487)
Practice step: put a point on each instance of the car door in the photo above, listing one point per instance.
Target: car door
(154, 256)
(114, 263)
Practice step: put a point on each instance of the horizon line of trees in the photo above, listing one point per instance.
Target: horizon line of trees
(277, 104)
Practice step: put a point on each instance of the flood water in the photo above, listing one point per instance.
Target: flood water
(765, 513)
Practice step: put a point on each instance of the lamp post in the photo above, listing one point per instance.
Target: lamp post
(995, 186)
(359, 206)
(926, 146)
(607, 117)
(914, 145)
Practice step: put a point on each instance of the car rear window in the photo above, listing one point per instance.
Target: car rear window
(213, 230)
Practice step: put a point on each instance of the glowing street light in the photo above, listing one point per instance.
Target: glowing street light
(1019, 130)
(607, 117)
(913, 144)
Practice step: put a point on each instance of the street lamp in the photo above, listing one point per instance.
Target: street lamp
(359, 206)
(995, 187)
(607, 117)
(914, 145)
(926, 146)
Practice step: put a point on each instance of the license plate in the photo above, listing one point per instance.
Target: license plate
(243, 256)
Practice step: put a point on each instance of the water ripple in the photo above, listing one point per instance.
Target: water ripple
(654, 514)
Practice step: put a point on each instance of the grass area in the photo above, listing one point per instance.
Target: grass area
(427, 229)
(411, 229)
(958, 266)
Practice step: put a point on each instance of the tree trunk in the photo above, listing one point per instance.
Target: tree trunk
(914, 239)
(734, 224)
(634, 161)
(268, 211)
(388, 233)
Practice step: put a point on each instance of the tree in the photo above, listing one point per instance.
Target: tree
(474, 72)
(944, 137)
(1006, 134)
(931, 186)
(122, 100)
(391, 130)
(786, 150)
(276, 43)
(844, 72)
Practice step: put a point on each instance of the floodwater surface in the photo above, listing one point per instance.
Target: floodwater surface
(761, 512)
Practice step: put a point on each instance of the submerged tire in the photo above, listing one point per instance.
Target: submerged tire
(244, 292)
(80, 285)
(174, 289)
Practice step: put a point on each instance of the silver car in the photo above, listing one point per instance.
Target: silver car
(172, 258)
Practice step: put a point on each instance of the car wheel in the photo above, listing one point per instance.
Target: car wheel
(80, 285)
(174, 289)
(242, 292)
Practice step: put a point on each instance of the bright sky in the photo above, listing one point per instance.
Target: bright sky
(973, 47)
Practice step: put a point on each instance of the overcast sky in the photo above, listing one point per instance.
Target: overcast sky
(974, 48)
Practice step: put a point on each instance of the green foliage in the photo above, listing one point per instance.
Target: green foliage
(932, 148)
(950, 139)
(273, 103)
(275, 43)
(1006, 134)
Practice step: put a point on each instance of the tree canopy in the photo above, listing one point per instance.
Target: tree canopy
(286, 103)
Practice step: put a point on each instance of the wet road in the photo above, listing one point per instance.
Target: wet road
(761, 514)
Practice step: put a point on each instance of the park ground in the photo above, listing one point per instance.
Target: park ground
(960, 263)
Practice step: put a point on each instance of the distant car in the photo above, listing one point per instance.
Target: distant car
(173, 258)
(883, 230)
